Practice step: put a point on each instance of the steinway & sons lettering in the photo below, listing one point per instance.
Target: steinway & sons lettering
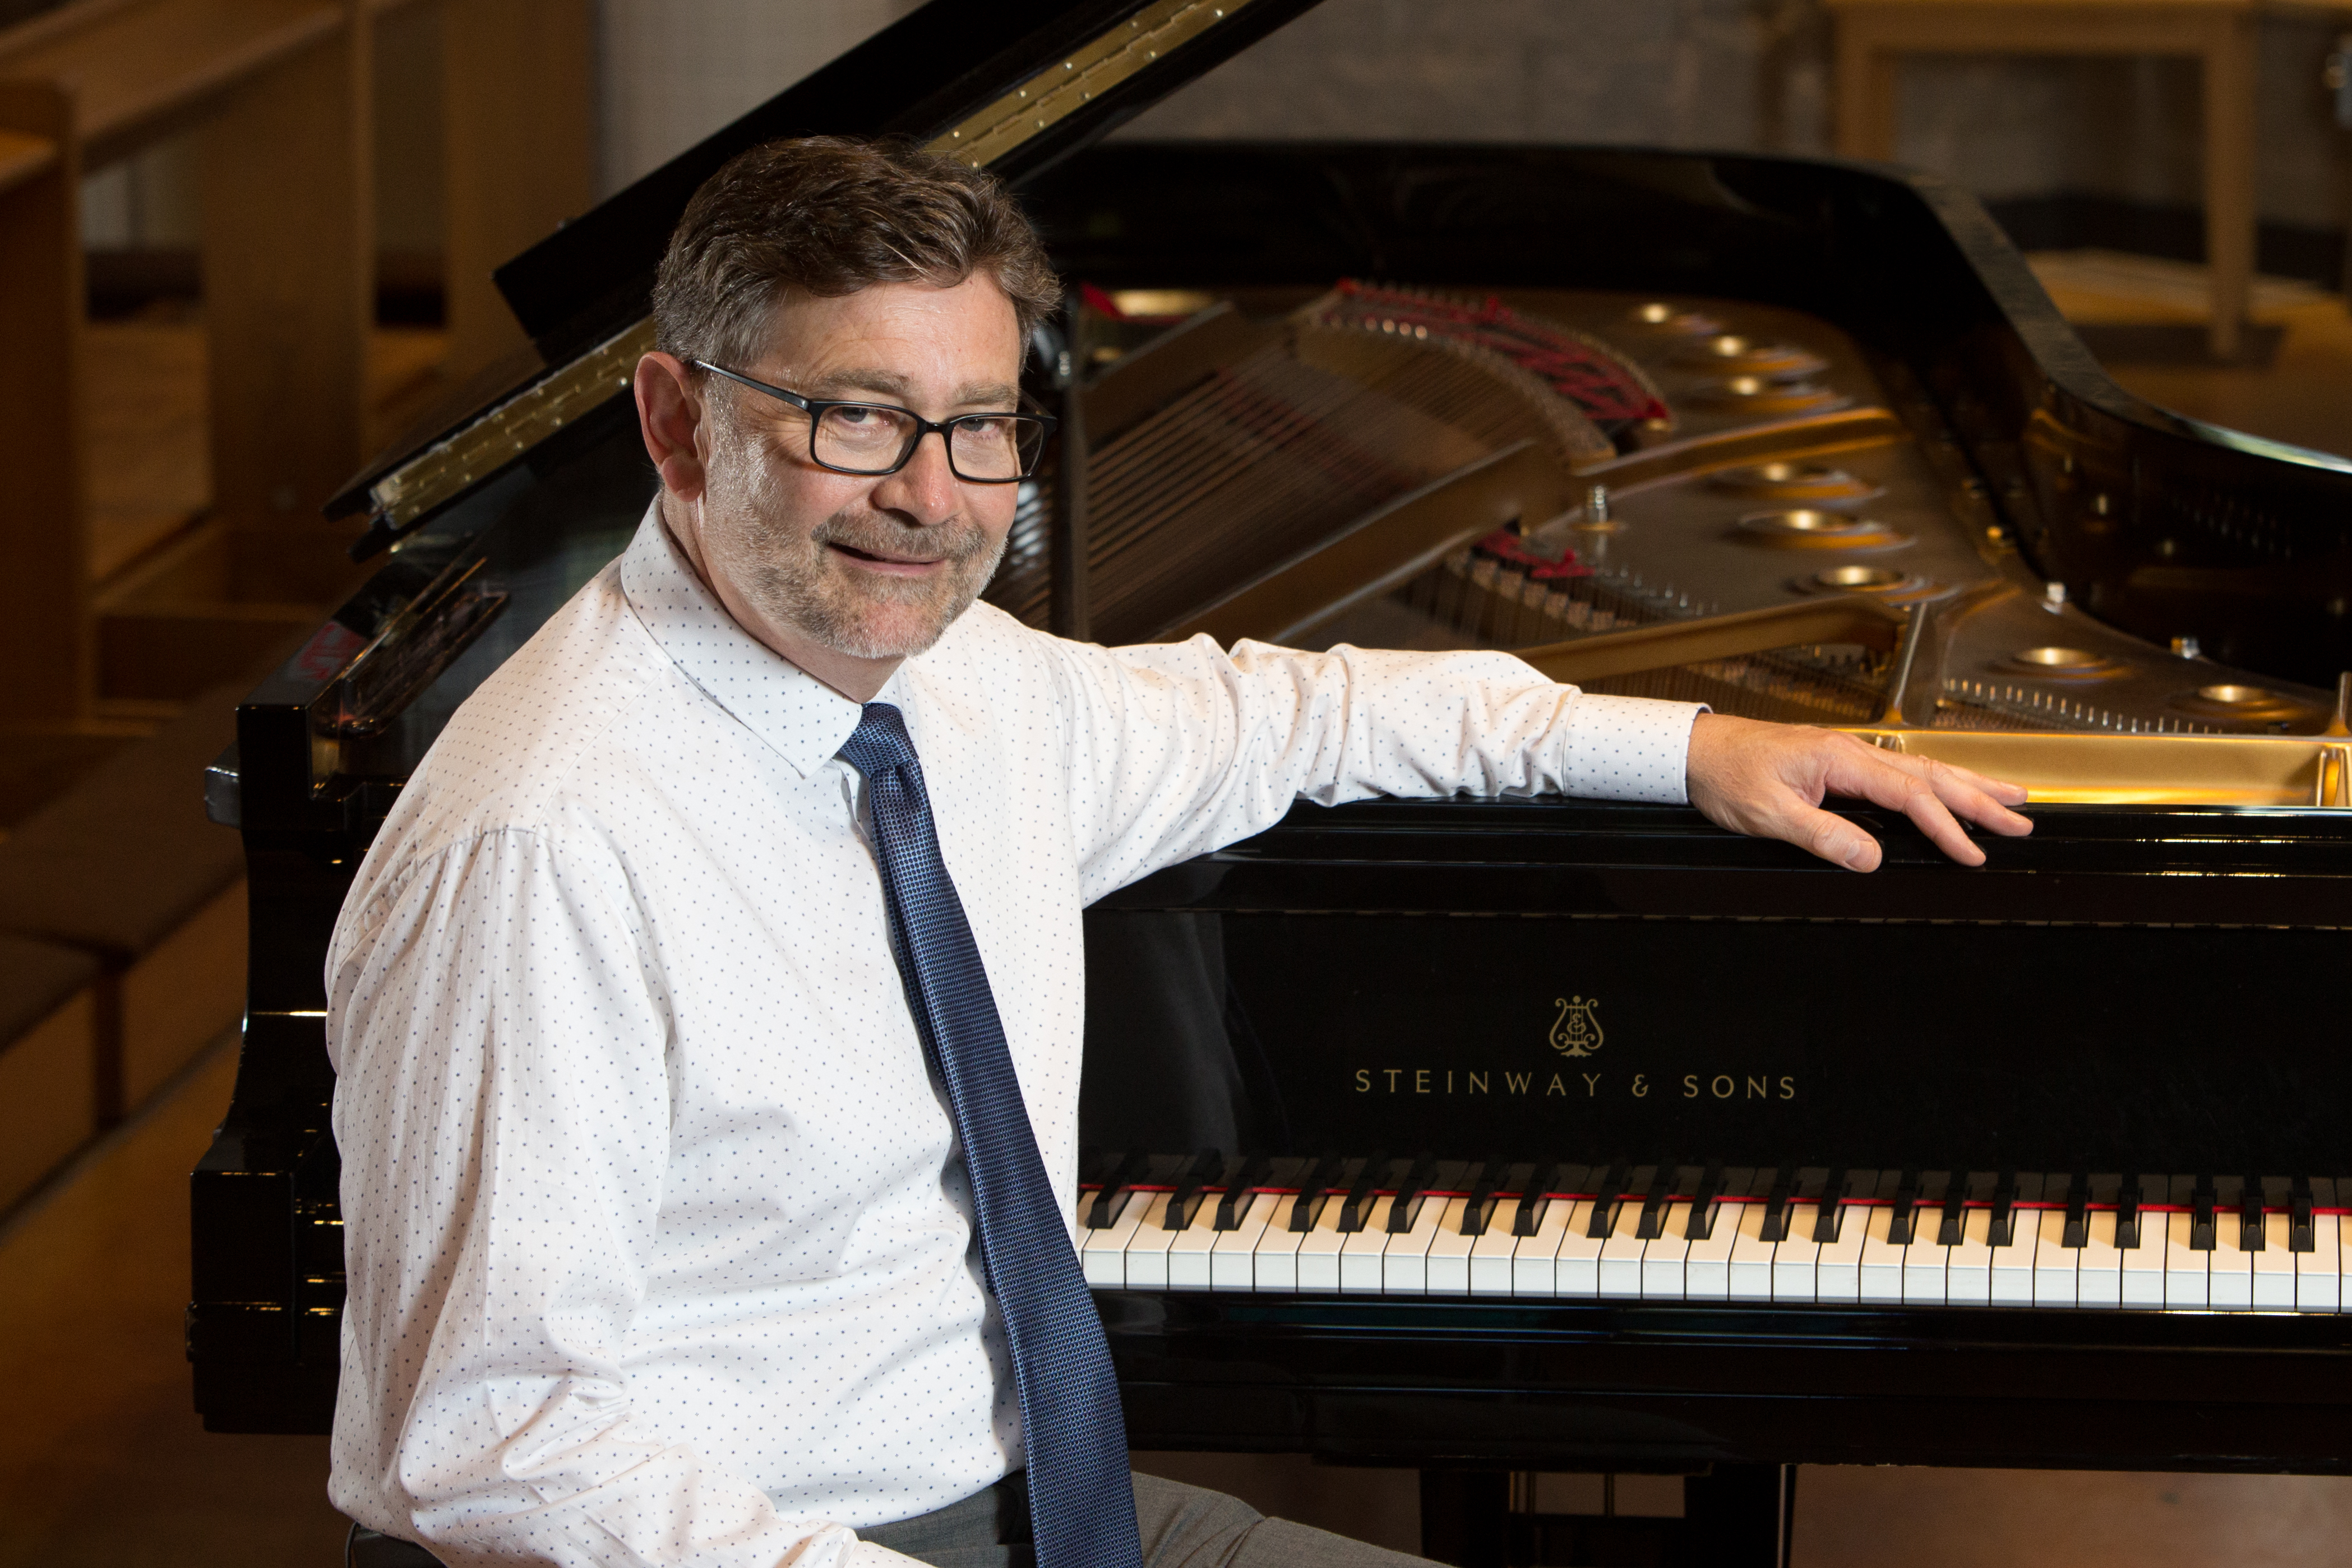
(1570, 1085)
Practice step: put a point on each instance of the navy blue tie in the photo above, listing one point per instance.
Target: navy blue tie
(1081, 1500)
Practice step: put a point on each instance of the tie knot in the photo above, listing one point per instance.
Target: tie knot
(880, 744)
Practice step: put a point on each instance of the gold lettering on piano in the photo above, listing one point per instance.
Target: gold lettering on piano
(1739, 1087)
(1576, 1032)
(1724, 1086)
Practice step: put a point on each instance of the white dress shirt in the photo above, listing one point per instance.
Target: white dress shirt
(658, 1248)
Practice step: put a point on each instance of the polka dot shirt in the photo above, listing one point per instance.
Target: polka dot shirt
(658, 1245)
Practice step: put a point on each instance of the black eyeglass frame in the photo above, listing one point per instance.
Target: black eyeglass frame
(815, 409)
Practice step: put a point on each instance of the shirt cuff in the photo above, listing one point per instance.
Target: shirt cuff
(1629, 748)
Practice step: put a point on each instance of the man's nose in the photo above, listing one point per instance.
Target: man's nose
(926, 488)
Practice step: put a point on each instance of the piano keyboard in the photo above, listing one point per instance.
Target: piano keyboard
(1555, 1231)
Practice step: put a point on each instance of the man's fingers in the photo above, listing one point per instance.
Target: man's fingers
(1935, 820)
(1891, 779)
(1830, 836)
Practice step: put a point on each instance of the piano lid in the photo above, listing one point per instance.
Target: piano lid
(1012, 86)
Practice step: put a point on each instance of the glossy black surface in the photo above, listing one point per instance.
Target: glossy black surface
(1634, 1385)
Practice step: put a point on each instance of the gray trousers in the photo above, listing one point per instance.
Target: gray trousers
(1182, 1527)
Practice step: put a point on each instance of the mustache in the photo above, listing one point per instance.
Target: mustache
(878, 533)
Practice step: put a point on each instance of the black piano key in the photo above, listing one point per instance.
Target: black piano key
(2249, 1214)
(1531, 1200)
(1254, 1172)
(2203, 1199)
(1906, 1206)
(2130, 1193)
(1703, 1200)
(2078, 1211)
(2278, 1195)
(1777, 1199)
(1312, 1190)
(1185, 1201)
(1834, 1191)
(1417, 1180)
(1090, 1163)
(2002, 1232)
(1952, 1223)
(1605, 1196)
(1661, 1191)
(1490, 1174)
(1357, 1207)
(1103, 1213)
(2299, 1221)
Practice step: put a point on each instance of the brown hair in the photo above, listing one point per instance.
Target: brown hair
(832, 216)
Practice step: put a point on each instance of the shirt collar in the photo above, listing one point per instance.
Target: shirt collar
(804, 720)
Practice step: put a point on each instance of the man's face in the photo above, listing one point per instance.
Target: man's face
(872, 568)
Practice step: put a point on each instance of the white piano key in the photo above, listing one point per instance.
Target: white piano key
(1924, 1260)
(2055, 1264)
(1794, 1258)
(2144, 1269)
(1102, 1254)
(1882, 1256)
(1449, 1251)
(1147, 1249)
(1492, 1254)
(1233, 1260)
(1318, 1250)
(1665, 1260)
(2318, 1279)
(1968, 1264)
(1532, 1259)
(1276, 1258)
(2184, 1266)
(2012, 1265)
(2229, 1268)
(2099, 1265)
(1621, 1254)
(1576, 1266)
(1404, 1262)
(1707, 1269)
(1750, 1269)
(1189, 1253)
(1837, 1272)
(1361, 1253)
(2274, 1269)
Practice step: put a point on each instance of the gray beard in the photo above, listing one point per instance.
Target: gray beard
(793, 580)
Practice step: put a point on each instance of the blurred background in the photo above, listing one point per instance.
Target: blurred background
(245, 244)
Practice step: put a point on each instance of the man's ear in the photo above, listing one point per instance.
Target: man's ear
(669, 416)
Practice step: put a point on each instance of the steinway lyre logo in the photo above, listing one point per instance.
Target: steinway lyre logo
(1576, 1032)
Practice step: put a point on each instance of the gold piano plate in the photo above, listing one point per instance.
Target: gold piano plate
(2144, 769)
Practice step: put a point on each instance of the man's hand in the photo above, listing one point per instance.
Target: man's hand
(1767, 779)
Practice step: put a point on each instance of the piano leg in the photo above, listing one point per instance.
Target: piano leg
(1465, 1517)
(1741, 1516)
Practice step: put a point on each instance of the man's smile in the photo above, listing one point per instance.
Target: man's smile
(891, 565)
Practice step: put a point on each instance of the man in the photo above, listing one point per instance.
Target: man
(707, 1012)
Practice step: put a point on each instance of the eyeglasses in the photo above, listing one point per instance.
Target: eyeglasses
(873, 438)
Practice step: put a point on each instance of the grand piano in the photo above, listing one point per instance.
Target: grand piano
(1493, 1138)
